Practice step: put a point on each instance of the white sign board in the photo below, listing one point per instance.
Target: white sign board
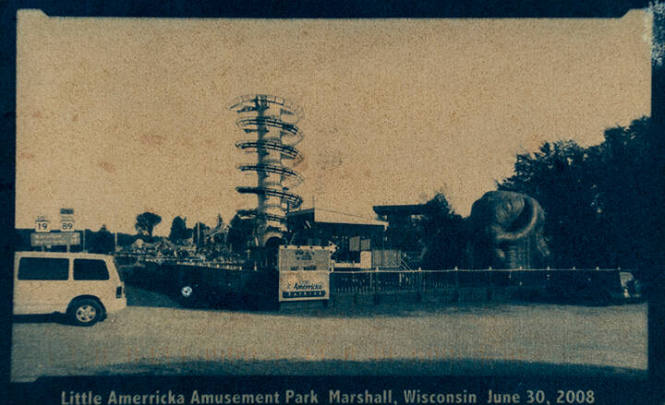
(66, 225)
(67, 219)
(304, 273)
(42, 224)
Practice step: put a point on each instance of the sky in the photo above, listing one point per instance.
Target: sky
(117, 116)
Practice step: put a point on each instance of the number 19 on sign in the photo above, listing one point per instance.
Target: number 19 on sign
(42, 224)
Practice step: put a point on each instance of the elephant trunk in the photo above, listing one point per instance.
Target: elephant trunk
(529, 216)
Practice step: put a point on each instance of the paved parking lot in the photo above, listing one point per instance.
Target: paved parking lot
(155, 336)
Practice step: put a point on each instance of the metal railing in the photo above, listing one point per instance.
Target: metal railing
(421, 281)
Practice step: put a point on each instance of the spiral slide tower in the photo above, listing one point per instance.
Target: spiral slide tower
(270, 124)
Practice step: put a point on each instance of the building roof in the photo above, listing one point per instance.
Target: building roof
(322, 215)
(407, 209)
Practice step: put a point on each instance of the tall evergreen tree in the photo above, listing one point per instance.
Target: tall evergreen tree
(178, 230)
(442, 235)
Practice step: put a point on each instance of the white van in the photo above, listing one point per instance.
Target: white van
(84, 286)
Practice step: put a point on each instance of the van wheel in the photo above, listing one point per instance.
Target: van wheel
(85, 312)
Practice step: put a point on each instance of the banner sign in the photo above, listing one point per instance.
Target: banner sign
(304, 273)
(301, 285)
(55, 239)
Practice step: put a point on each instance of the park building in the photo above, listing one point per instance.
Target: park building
(401, 233)
(350, 234)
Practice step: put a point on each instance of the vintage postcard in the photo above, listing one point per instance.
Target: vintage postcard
(225, 211)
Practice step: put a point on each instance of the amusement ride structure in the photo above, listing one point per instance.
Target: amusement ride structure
(270, 122)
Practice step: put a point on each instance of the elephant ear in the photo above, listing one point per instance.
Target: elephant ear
(523, 225)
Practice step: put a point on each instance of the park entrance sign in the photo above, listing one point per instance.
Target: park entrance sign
(304, 273)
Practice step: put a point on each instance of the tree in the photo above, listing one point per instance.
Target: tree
(442, 235)
(563, 177)
(102, 241)
(633, 193)
(178, 229)
(146, 222)
(241, 232)
(603, 203)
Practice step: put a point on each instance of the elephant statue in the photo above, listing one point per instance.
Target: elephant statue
(507, 232)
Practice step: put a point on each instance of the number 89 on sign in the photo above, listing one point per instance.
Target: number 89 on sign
(67, 226)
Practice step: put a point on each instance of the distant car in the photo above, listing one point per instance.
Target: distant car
(597, 286)
(86, 287)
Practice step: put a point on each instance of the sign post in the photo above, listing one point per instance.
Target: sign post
(304, 273)
(67, 221)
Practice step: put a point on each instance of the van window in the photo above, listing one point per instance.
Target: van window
(41, 268)
(90, 269)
